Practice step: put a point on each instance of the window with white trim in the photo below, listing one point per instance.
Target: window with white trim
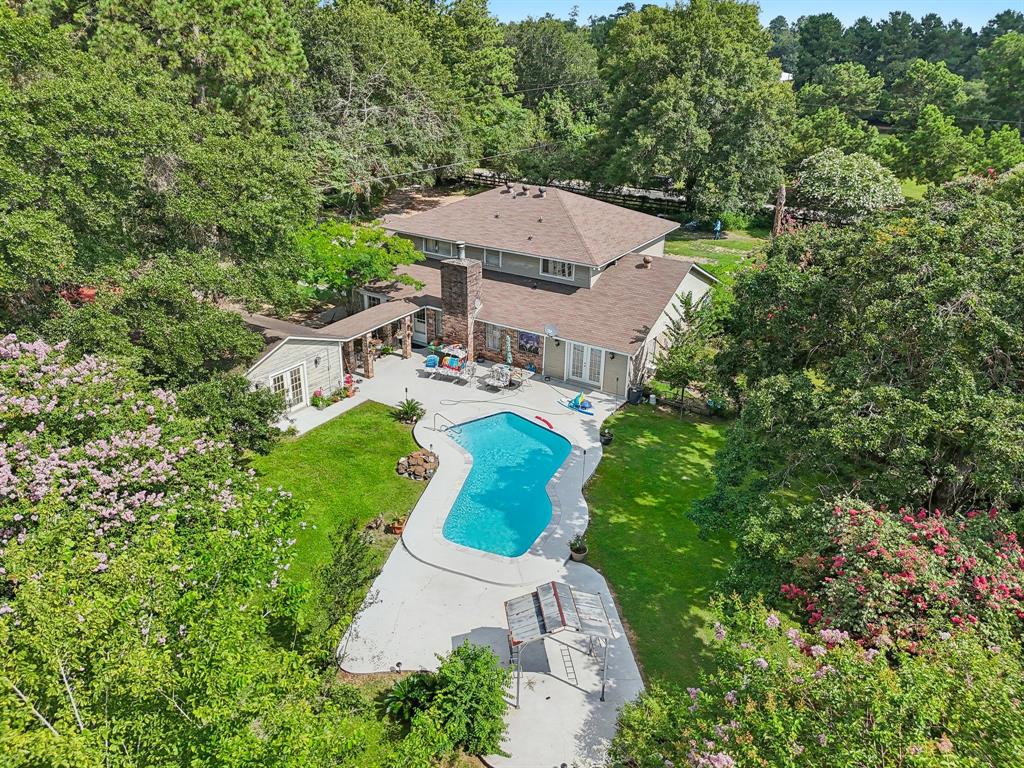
(563, 270)
(492, 337)
(370, 301)
(492, 258)
(437, 247)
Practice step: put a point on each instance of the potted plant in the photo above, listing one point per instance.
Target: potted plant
(409, 411)
(397, 525)
(317, 399)
(606, 436)
(578, 547)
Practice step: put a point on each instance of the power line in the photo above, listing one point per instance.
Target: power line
(553, 85)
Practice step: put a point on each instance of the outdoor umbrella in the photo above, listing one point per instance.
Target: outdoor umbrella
(508, 349)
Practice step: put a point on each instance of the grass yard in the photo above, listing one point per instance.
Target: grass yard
(912, 190)
(719, 257)
(640, 539)
(342, 471)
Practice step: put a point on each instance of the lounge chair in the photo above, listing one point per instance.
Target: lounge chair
(430, 364)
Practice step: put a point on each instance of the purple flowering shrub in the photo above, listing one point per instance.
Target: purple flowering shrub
(784, 696)
(139, 572)
(906, 576)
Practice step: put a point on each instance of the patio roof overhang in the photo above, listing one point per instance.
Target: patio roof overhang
(552, 608)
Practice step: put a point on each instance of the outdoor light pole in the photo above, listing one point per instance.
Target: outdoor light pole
(604, 667)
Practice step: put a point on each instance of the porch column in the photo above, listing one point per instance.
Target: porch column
(407, 338)
(348, 357)
(368, 356)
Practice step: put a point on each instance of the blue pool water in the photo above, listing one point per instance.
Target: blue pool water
(504, 506)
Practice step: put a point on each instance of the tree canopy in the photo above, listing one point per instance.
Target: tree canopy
(693, 96)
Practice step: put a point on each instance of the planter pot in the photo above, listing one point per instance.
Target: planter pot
(606, 438)
(634, 395)
(397, 528)
(578, 556)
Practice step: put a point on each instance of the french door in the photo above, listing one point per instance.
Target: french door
(419, 327)
(289, 384)
(585, 363)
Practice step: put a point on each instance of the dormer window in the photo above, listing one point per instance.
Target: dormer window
(561, 270)
(437, 247)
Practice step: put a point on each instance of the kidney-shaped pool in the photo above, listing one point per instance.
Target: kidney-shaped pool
(504, 506)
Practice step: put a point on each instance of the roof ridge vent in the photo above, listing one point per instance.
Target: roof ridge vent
(541, 191)
(526, 189)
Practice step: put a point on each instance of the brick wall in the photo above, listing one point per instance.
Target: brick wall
(519, 358)
(461, 281)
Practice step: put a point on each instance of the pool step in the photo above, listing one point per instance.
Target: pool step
(570, 670)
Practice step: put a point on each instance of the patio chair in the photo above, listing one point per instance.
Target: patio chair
(430, 364)
(498, 377)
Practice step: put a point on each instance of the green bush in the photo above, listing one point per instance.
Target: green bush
(230, 408)
(783, 697)
(410, 696)
(409, 411)
(461, 706)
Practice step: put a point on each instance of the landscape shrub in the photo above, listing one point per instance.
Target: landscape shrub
(904, 576)
(786, 697)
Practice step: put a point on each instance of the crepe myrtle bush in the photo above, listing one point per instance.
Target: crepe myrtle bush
(140, 572)
(904, 575)
(783, 696)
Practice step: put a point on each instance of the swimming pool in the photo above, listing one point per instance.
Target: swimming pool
(504, 506)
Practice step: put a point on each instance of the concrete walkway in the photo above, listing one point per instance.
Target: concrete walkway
(433, 594)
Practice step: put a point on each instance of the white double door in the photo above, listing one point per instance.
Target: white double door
(584, 363)
(291, 386)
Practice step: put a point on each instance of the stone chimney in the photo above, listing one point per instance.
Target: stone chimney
(461, 281)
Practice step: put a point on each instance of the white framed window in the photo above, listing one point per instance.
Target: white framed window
(370, 301)
(289, 384)
(437, 247)
(492, 258)
(562, 270)
(492, 337)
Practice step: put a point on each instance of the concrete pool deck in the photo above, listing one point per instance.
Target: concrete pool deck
(432, 594)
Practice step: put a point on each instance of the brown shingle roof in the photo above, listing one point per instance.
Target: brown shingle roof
(616, 314)
(558, 225)
(351, 327)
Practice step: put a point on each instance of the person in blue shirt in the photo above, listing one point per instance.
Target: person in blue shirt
(718, 229)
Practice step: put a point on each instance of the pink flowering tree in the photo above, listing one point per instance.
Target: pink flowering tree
(903, 576)
(785, 696)
(139, 576)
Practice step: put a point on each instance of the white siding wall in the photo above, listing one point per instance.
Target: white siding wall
(657, 248)
(695, 284)
(326, 375)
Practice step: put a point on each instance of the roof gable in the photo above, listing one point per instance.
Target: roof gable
(556, 224)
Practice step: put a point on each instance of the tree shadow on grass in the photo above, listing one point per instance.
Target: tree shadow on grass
(662, 572)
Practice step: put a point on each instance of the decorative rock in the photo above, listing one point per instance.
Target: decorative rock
(419, 465)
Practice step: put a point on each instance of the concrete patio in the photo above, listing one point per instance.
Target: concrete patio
(433, 594)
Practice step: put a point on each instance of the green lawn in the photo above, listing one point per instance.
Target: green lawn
(642, 541)
(912, 190)
(341, 471)
(719, 257)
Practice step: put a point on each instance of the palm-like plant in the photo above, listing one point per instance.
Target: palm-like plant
(409, 696)
(409, 411)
